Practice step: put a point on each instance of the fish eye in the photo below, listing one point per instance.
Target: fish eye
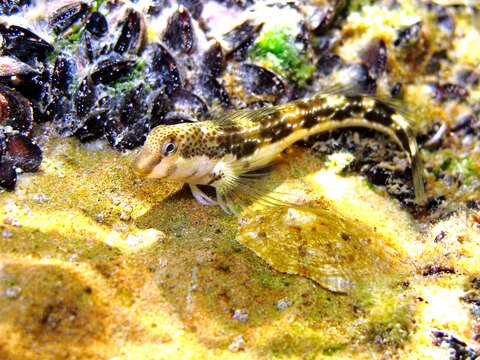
(169, 148)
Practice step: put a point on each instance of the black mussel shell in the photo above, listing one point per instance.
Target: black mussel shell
(195, 7)
(165, 70)
(327, 63)
(22, 43)
(84, 97)
(179, 34)
(212, 90)
(359, 76)
(214, 60)
(131, 34)
(133, 106)
(239, 39)
(156, 6)
(110, 70)
(8, 175)
(444, 20)
(97, 24)
(408, 36)
(262, 82)
(375, 57)
(23, 153)
(62, 74)
(129, 129)
(15, 110)
(177, 118)
(64, 17)
(126, 137)
(441, 92)
(94, 126)
(323, 19)
(181, 106)
(55, 111)
(9, 7)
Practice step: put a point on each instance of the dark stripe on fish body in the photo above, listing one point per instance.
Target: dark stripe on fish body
(381, 114)
(276, 132)
(352, 108)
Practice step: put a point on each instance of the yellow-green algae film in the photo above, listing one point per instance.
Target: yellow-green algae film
(98, 265)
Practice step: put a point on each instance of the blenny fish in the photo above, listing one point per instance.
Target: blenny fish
(223, 153)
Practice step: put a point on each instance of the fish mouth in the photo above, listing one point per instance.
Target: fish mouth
(144, 163)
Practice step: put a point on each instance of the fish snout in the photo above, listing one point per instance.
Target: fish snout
(145, 162)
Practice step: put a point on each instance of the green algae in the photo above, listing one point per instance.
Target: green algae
(277, 51)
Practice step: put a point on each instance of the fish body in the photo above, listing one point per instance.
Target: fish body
(221, 153)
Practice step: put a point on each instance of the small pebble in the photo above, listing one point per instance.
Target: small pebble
(241, 315)
(282, 304)
(11, 221)
(6, 233)
(125, 216)
(238, 344)
(13, 292)
(39, 198)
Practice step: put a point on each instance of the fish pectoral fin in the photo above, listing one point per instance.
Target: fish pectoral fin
(201, 197)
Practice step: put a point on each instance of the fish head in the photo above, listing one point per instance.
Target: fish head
(173, 152)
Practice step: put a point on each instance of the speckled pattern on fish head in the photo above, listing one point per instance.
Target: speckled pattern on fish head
(177, 152)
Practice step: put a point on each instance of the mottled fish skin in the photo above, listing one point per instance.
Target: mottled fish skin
(218, 152)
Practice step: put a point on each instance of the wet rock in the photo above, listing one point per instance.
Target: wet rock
(131, 34)
(165, 70)
(97, 24)
(179, 35)
(8, 175)
(375, 57)
(64, 17)
(23, 43)
(23, 153)
(15, 110)
(110, 70)
(262, 82)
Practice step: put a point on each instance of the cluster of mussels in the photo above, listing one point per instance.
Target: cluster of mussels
(115, 69)
(91, 71)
